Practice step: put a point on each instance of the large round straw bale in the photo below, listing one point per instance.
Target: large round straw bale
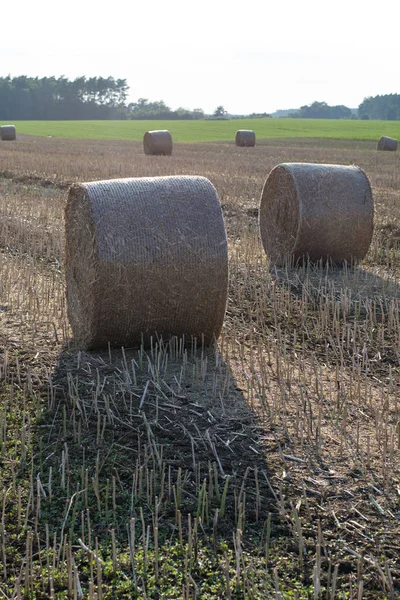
(8, 133)
(245, 137)
(145, 257)
(387, 143)
(157, 142)
(316, 212)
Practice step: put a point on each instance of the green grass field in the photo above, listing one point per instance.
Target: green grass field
(213, 131)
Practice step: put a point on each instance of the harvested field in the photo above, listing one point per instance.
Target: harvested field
(266, 466)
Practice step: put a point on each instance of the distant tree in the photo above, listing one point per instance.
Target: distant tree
(219, 112)
(198, 113)
(144, 109)
(392, 112)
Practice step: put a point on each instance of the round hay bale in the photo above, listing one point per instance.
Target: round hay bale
(387, 143)
(316, 212)
(157, 142)
(145, 257)
(245, 137)
(8, 133)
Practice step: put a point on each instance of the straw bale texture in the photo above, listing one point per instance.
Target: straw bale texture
(8, 133)
(317, 212)
(245, 137)
(145, 257)
(157, 142)
(387, 143)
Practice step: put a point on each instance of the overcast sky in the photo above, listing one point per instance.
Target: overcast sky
(249, 56)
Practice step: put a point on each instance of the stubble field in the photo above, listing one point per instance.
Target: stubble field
(265, 467)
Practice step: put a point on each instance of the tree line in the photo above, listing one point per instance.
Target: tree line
(321, 110)
(386, 108)
(383, 108)
(58, 98)
(54, 98)
(144, 109)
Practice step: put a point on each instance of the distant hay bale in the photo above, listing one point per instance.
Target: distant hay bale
(387, 143)
(245, 137)
(145, 257)
(8, 133)
(157, 142)
(316, 212)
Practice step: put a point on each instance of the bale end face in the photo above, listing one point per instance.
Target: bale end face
(317, 213)
(82, 266)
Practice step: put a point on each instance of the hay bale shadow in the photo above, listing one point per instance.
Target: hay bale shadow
(318, 279)
(172, 419)
(338, 308)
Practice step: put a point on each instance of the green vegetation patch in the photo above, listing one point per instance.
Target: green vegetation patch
(213, 131)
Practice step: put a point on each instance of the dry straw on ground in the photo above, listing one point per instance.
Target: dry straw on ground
(387, 143)
(157, 142)
(145, 256)
(245, 137)
(8, 133)
(317, 212)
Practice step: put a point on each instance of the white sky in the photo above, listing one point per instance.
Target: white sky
(249, 56)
